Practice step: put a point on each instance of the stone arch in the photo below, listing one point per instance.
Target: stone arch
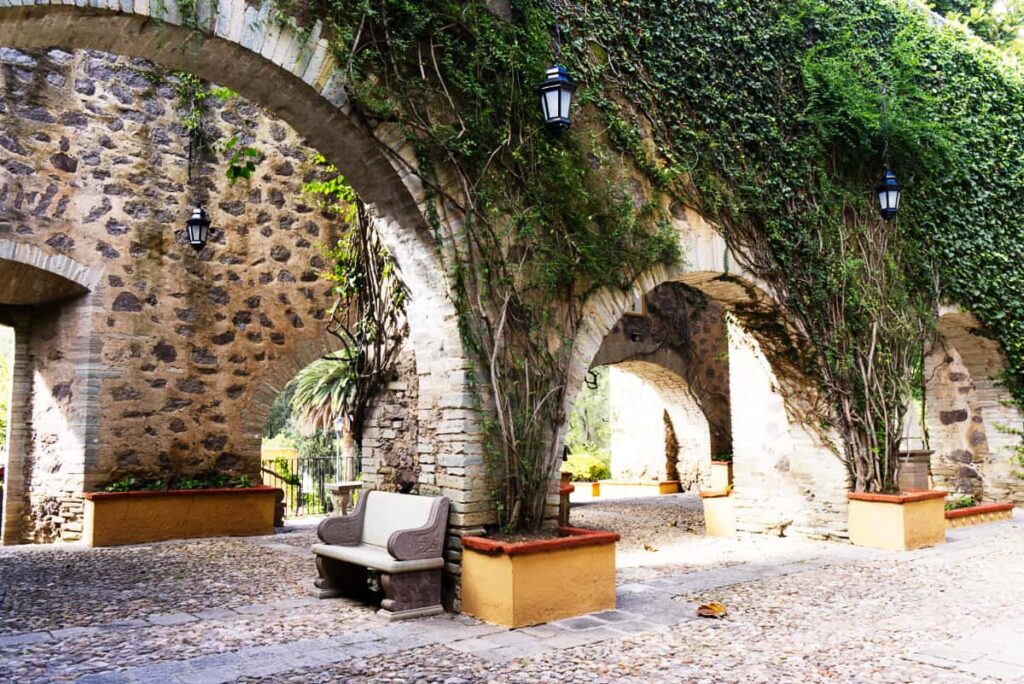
(684, 409)
(786, 473)
(972, 422)
(686, 334)
(39, 290)
(294, 77)
(41, 276)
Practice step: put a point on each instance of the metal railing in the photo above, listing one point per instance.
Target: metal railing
(304, 481)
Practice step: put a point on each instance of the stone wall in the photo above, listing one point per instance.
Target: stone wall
(786, 480)
(390, 460)
(973, 425)
(170, 362)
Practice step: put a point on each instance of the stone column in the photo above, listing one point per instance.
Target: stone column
(18, 420)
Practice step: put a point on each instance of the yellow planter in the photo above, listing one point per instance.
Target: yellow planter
(527, 583)
(897, 522)
(613, 488)
(719, 516)
(721, 476)
(115, 518)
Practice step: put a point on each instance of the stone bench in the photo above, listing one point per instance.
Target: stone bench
(396, 537)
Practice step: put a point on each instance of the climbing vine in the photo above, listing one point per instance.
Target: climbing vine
(766, 118)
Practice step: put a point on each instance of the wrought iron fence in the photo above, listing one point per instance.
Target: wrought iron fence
(304, 481)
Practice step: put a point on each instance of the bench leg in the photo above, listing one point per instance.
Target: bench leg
(411, 594)
(338, 578)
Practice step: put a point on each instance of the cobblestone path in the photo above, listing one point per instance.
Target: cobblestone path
(224, 610)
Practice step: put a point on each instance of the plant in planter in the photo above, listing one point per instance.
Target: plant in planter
(136, 510)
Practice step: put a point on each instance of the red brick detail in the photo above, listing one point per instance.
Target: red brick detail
(715, 494)
(95, 496)
(572, 537)
(979, 510)
(905, 497)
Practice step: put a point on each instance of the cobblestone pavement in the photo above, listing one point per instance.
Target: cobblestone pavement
(236, 610)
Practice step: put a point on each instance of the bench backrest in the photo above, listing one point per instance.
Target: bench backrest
(387, 512)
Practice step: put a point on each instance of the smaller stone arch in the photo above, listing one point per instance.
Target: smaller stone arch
(32, 275)
(638, 430)
(49, 299)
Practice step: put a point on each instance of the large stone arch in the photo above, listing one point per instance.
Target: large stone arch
(301, 86)
(41, 290)
(787, 473)
(973, 423)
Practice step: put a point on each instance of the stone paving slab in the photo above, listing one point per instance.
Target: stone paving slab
(996, 652)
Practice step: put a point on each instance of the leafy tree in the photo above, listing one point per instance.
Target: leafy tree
(997, 21)
(322, 392)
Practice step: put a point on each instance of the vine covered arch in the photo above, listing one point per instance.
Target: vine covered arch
(787, 473)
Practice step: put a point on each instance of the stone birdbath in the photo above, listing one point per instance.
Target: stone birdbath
(345, 465)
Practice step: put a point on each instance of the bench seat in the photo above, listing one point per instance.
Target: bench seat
(376, 558)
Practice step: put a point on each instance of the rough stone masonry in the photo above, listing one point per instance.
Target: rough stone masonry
(167, 363)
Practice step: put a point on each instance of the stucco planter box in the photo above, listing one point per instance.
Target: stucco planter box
(115, 518)
(897, 522)
(721, 476)
(617, 488)
(719, 514)
(980, 514)
(527, 583)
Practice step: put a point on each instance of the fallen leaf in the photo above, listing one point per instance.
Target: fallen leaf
(648, 547)
(711, 610)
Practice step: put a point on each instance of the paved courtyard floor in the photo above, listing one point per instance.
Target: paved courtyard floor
(224, 610)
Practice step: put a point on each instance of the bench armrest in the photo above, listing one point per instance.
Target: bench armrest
(422, 542)
(344, 530)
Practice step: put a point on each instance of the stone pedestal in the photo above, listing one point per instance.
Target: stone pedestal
(341, 495)
(915, 469)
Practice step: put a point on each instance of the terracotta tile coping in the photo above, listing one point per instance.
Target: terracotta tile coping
(573, 537)
(728, 463)
(715, 494)
(909, 496)
(979, 510)
(99, 496)
(566, 489)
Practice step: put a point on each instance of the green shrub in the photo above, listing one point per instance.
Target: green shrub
(961, 502)
(587, 464)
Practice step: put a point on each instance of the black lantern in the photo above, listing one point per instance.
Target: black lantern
(888, 195)
(556, 98)
(198, 227)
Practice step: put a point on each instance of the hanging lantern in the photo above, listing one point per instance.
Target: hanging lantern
(888, 195)
(556, 98)
(198, 228)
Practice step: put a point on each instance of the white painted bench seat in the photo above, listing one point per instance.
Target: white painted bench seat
(376, 558)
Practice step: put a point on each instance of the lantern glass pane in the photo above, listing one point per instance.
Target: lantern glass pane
(894, 199)
(883, 200)
(566, 100)
(551, 104)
